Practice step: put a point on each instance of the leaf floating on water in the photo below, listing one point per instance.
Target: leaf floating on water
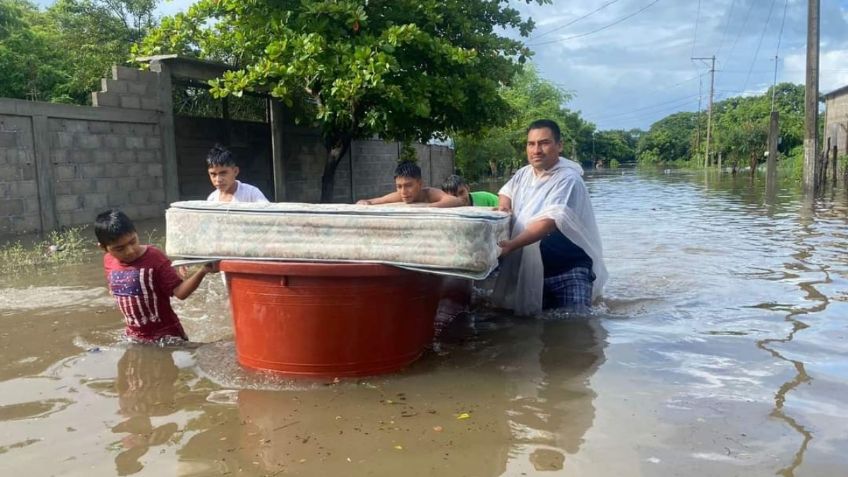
(437, 428)
(464, 415)
(399, 447)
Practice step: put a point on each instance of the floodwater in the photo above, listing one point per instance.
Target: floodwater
(721, 349)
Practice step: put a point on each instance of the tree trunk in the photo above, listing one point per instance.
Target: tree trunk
(336, 150)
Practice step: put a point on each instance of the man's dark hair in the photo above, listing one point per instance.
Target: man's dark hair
(546, 123)
(111, 225)
(408, 169)
(220, 156)
(452, 184)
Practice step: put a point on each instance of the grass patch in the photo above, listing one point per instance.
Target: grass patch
(59, 247)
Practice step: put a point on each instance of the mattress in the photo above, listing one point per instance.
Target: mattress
(459, 241)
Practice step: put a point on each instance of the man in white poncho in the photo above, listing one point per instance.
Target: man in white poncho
(554, 257)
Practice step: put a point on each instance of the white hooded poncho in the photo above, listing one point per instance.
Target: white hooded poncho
(558, 194)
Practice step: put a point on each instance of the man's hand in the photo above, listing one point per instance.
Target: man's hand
(506, 246)
(364, 202)
(506, 209)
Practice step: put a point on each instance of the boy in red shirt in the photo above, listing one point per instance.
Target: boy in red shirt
(142, 279)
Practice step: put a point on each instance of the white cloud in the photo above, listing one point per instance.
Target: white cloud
(629, 74)
(833, 67)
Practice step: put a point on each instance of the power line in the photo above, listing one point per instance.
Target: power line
(662, 105)
(695, 36)
(663, 112)
(726, 27)
(598, 29)
(782, 22)
(744, 22)
(759, 44)
(665, 102)
(777, 53)
(572, 22)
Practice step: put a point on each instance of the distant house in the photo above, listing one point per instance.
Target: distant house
(836, 119)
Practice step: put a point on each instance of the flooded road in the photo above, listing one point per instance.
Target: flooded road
(721, 349)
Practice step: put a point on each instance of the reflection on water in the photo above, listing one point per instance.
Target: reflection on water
(145, 386)
(721, 348)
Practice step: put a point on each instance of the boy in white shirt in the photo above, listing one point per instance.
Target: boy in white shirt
(223, 172)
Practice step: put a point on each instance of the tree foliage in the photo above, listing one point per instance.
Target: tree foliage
(61, 53)
(668, 139)
(499, 149)
(397, 69)
(740, 128)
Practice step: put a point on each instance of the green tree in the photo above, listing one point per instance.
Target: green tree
(99, 33)
(616, 145)
(500, 149)
(668, 140)
(60, 54)
(31, 60)
(397, 69)
(740, 127)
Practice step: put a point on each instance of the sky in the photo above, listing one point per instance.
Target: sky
(628, 63)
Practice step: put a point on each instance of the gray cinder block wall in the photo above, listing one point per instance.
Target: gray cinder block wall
(836, 120)
(374, 163)
(69, 162)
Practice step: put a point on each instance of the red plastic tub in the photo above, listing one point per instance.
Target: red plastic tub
(330, 319)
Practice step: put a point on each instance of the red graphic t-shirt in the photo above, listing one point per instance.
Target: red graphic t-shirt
(143, 290)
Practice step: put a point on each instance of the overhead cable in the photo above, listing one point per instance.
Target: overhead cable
(572, 22)
(598, 29)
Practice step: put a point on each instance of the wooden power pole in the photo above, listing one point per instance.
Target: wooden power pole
(811, 98)
(774, 132)
(709, 108)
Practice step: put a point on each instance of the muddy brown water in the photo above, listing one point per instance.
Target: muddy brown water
(721, 349)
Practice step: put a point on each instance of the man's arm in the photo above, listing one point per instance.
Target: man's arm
(439, 198)
(534, 232)
(389, 198)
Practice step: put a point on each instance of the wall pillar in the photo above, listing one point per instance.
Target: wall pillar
(171, 176)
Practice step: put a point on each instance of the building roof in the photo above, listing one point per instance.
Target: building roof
(837, 92)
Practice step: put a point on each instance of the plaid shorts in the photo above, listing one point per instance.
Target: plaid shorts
(572, 289)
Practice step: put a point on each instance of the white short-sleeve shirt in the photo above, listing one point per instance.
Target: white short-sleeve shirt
(244, 193)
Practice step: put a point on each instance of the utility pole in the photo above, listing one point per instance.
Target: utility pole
(774, 131)
(700, 95)
(709, 108)
(811, 98)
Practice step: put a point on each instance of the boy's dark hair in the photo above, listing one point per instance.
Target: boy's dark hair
(220, 156)
(111, 225)
(408, 169)
(546, 123)
(452, 184)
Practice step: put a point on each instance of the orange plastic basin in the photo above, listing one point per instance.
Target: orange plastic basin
(330, 319)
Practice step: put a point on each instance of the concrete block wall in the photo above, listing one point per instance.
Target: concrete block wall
(129, 88)
(67, 163)
(836, 122)
(100, 164)
(374, 164)
(19, 209)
